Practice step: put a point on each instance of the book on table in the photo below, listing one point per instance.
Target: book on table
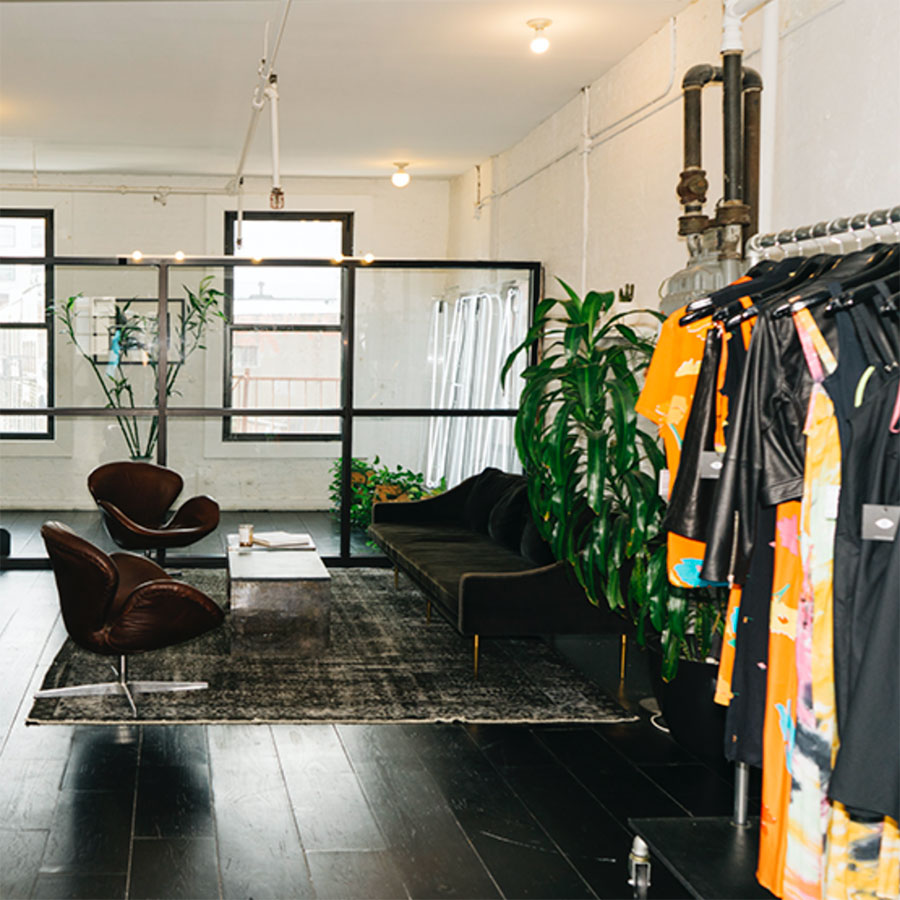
(284, 540)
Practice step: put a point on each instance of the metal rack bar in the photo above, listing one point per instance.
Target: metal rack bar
(828, 236)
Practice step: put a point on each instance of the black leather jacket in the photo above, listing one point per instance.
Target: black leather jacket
(766, 448)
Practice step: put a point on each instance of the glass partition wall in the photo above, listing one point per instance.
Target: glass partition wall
(293, 391)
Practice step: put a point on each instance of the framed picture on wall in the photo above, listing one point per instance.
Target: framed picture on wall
(124, 331)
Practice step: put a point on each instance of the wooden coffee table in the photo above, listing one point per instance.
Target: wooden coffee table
(279, 598)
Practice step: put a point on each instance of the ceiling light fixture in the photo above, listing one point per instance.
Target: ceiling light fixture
(400, 178)
(539, 42)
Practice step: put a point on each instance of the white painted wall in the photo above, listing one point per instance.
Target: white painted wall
(836, 147)
(387, 222)
(836, 140)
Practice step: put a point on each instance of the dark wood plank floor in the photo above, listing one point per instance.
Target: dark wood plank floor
(347, 811)
(25, 535)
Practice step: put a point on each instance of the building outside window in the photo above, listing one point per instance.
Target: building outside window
(26, 320)
(283, 347)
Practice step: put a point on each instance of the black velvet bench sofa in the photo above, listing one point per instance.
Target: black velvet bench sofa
(476, 553)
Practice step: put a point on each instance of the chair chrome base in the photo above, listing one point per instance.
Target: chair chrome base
(122, 686)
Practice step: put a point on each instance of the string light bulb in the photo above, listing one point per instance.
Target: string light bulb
(539, 43)
(179, 255)
(400, 178)
(137, 256)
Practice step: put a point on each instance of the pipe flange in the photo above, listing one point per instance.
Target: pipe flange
(733, 212)
(692, 223)
(693, 186)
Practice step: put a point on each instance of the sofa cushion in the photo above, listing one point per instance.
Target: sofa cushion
(441, 554)
(486, 490)
(533, 547)
(507, 518)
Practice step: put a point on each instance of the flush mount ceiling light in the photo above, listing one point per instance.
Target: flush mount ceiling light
(539, 42)
(400, 178)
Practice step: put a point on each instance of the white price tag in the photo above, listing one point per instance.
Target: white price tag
(832, 500)
(664, 476)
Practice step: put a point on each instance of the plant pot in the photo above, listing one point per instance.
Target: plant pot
(693, 718)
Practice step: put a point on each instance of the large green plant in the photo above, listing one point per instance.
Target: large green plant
(133, 333)
(593, 471)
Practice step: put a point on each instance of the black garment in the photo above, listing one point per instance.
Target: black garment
(867, 770)
(691, 500)
(870, 473)
(842, 383)
(763, 463)
(746, 712)
(734, 372)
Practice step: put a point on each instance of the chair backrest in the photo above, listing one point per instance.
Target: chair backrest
(143, 491)
(86, 580)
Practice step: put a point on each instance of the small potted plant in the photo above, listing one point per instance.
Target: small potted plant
(374, 483)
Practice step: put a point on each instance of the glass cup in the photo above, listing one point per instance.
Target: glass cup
(245, 535)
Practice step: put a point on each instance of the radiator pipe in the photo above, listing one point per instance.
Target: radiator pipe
(752, 89)
(739, 211)
(731, 117)
(693, 185)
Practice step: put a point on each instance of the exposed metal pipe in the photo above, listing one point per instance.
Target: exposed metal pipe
(585, 183)
(266, 68)
(731, 117)
(752, 85)
(276, 196)
(693, 185)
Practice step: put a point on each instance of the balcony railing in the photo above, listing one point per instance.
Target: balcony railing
(292, 392)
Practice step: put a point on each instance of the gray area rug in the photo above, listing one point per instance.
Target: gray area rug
(384, 663)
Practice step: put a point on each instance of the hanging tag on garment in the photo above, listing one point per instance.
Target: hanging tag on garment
(664, 478)
(711, 464)
(879, 523)
(832, 500)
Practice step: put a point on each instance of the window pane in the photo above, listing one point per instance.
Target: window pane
(288, 296)
(22, 288)
(23, 378)
(22, 235)
(287, 370)
(458, 329)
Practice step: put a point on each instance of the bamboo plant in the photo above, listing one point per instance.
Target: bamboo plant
(134, 333)
(593, 472)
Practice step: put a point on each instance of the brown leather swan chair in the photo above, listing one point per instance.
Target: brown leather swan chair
(135, 498)
(121, 604)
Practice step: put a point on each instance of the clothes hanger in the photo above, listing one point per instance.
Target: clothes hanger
(851, 270)
(778, 274)
(813, 268)
(884, 290)
(701, 307)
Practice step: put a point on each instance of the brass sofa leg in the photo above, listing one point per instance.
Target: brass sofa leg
(396, 578)
(622, 650)
(476, 655)
(428, 612)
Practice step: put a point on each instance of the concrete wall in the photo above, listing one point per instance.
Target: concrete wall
(609, 216)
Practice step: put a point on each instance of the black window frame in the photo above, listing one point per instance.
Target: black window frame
(231, 219)
(47, 325)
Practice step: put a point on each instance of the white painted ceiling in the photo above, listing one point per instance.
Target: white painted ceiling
(164, 86)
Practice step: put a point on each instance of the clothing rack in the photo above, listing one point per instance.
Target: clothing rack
(829, 236)
(668, 838)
